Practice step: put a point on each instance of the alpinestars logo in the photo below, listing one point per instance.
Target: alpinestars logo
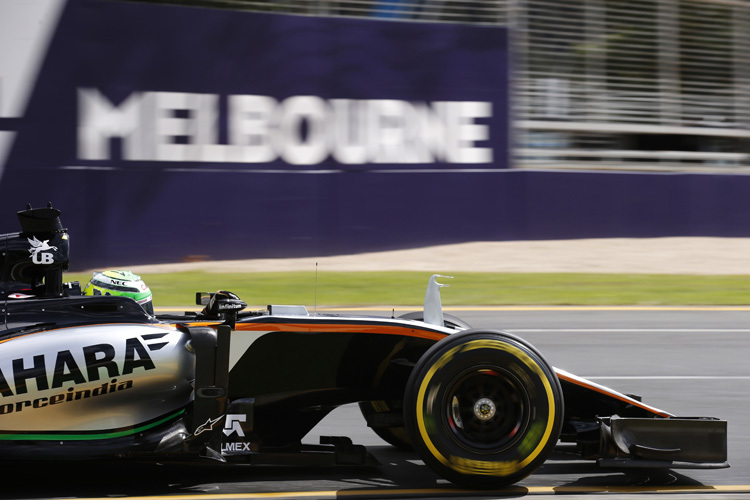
(208, 426)
(38, 251)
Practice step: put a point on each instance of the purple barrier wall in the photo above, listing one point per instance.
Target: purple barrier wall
(166, 132)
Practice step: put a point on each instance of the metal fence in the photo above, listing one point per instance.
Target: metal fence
(633, 84)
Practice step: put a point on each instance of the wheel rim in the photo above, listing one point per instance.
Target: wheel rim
(487, 409)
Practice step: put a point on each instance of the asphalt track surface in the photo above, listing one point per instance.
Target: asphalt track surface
(691, 362)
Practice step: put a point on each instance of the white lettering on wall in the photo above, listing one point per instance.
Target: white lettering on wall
(300, 130)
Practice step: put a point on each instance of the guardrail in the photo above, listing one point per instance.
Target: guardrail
(637, 160)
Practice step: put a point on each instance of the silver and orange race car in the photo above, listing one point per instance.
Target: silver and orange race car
(97, 377)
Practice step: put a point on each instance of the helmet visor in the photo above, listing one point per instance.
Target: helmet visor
(147, 304)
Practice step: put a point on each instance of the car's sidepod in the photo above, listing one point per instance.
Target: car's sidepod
(93, 382)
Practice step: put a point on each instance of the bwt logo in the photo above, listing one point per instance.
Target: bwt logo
(300, 130)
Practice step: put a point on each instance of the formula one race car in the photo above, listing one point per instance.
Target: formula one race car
(93, 377)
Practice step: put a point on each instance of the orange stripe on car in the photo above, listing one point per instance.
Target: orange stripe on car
(340, 328)
(568, 377)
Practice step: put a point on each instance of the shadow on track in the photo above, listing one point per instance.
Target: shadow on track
(400, 470)
(565, 468)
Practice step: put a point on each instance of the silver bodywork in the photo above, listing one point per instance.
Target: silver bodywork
(106, 378)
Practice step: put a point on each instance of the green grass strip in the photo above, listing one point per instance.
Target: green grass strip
(87, 437)
(408, 288)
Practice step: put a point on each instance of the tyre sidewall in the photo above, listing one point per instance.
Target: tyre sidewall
(434, 434)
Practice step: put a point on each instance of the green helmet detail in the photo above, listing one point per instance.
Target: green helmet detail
(123, 284)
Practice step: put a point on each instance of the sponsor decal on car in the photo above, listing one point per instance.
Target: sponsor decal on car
(208, 426)
(233, 429)
(38, 251)
(232, 425)
(98, 357)
(71, 395)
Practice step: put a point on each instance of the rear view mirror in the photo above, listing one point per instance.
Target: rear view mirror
(202, 298)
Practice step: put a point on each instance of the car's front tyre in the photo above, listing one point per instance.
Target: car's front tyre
(483, 408)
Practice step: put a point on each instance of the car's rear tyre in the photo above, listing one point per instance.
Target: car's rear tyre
(483, 408)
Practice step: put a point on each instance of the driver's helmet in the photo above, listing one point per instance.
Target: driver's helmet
(123, 284)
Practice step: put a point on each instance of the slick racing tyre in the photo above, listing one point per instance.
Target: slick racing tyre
(483, 408)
